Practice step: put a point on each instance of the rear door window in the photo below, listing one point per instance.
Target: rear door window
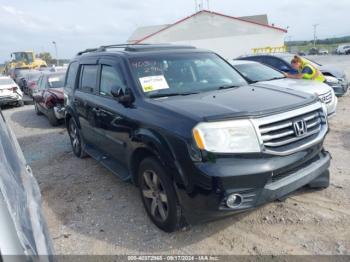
(88, 78)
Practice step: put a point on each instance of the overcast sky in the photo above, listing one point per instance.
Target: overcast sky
(80, 24)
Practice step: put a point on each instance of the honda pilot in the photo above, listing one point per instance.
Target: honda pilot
(185, 127)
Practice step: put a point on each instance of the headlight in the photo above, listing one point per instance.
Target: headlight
(324, 109)
(236, 136)
(332, 80)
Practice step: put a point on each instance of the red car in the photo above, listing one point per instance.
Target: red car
(49, 96)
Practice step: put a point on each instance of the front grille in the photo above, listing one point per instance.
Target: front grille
(326, 98)
(281, 135)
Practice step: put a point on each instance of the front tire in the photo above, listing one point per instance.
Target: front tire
(75, 139)
(158, 195)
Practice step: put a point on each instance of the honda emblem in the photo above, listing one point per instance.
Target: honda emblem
(300, 128)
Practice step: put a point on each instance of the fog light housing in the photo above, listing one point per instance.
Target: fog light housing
(234, 200)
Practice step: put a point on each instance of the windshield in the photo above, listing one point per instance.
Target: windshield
(6, 81)
(181, 74)
(257, 72)
(22, 56)
(56, 81)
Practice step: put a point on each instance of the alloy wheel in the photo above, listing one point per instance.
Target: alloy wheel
(155, 196)
(73, 133)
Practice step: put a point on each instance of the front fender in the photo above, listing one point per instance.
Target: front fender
(160, 146)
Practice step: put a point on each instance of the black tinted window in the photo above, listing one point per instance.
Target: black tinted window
(110, 76)
(275, 62)
(71, 75)
(259, 59)
(88, 78)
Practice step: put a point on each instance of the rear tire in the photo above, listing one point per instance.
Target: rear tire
(52, 118)
(76, 139)
(158, 195)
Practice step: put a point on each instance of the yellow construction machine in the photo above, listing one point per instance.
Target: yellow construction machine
(24, 59)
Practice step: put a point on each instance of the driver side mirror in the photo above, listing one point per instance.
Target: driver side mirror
(123, 97)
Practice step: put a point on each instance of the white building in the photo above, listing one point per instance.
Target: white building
(229, 36)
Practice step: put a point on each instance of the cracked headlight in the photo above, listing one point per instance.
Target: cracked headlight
(236, 136)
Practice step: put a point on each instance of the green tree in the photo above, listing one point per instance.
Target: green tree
(46, 56)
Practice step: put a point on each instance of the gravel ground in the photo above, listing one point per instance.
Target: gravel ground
(89, 211)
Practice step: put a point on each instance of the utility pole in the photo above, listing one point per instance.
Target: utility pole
(54, 43)
(315, 33)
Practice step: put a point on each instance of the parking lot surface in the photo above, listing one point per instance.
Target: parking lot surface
(89, 211)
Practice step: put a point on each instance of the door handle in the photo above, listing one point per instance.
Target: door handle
(96, 110)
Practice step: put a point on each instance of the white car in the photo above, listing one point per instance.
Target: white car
(10, 93)
(256, 72)
(343, 49)
(23, 231)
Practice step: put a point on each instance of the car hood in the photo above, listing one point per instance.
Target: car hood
(333, 71)
(58, 92)
(311, 87)
(254, 100)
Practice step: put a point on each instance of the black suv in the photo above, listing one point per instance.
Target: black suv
(183, 125)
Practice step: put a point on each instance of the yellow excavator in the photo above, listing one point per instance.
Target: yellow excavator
(24, 59)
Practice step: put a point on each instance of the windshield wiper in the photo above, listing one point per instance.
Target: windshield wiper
(228, 87)
(171, 94)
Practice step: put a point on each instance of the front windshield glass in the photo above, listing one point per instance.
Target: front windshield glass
(257, 72)
(23, 56)
(56, 81)
(181, 74)
(6, 81)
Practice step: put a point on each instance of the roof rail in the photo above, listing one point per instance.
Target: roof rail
(136, 47)
(105, 47)
(87, 51)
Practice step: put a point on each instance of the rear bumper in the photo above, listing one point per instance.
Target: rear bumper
(258, 180)
(10, 99)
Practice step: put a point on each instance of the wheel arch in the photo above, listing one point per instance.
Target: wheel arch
(68, 115)
(150, 144)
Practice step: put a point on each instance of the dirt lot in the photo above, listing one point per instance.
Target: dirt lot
(89, 211)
